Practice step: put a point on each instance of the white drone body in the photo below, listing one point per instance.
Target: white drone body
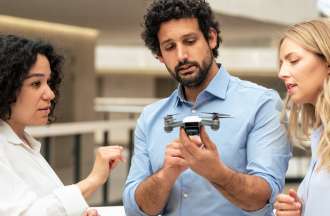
(193, 123)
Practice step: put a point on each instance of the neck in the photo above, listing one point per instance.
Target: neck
(191, 93)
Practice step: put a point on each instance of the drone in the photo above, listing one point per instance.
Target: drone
(192, 124)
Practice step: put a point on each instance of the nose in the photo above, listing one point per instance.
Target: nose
(48, 94)
(182, 53)
(283, 72)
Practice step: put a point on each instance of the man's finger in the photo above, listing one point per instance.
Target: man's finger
(188, 145)
(173, 152)
(206, 140)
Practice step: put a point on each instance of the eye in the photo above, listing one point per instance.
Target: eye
(294, 61)
(36, 84)
(169, 47)
(190, 41)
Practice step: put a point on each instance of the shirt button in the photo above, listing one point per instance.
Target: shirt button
(185, 195)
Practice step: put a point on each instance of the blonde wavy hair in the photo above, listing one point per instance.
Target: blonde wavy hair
(314, 36)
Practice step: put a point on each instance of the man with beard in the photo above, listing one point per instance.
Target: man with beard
(237, 170)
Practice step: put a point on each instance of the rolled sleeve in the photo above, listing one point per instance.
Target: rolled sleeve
(268, 149)
(71, 199)
(139, 171)
(130, 205)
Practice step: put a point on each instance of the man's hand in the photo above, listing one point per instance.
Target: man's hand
(201, 153)
(174, 163)
(247, 192)
(152, 194)
(288, 204)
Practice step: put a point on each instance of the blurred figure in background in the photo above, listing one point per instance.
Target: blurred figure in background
(30, 75)
(304, 54)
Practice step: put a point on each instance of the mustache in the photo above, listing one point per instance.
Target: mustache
(185, 63)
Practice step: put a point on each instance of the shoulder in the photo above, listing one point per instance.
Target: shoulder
(3, 155)
(253, 93)
(154, 107)
(3, 142)
(155, 112)
(161, 105)
(250, 87)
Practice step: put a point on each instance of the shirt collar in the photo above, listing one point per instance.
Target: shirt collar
(12, 137)
(219, 84)
(217, 87)
(180, 95)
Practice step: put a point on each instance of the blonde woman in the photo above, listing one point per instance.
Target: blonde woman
(30, 75)
(304, 54)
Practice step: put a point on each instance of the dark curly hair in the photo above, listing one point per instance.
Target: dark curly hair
(164, 10)
(17, 56)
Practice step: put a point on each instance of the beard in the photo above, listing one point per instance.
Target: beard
(195, 79)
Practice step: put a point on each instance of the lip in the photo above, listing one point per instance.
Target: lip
(290, 87)
(45, 110)
(187, 69)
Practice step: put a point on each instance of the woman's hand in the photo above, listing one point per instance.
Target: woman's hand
(106, 158)
(288, 204)
(91, 212)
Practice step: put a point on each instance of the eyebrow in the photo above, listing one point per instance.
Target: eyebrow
(289, 55)
(35, 75)
(183, 36)
(166, 41)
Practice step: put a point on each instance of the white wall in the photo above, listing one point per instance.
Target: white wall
(277, 11)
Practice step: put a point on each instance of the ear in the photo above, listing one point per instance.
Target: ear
(160, 58)
(328, 68)
(213, 37)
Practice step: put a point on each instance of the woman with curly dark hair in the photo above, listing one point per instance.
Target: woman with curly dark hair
(30, 75)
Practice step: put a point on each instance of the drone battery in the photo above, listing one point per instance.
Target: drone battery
(192, 128)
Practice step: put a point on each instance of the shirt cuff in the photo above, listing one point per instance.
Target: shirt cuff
(267, 210)
(133, 206)
(72, 200)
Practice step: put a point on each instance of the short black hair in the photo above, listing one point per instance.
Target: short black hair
(160, 11)
(17, 56)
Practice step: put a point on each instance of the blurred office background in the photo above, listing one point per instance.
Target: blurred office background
(110, 75)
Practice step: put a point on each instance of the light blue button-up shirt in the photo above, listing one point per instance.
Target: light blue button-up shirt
(314, 190)
(252, 142)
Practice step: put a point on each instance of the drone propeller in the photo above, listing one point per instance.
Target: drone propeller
(170, 121)
(218, 115)
(172, 115)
